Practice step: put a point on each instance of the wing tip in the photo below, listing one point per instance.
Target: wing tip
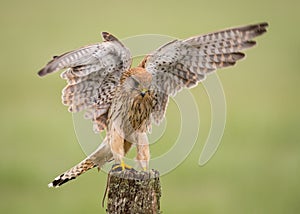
(258, 29)
(264, 24)
(43, 72)
(261, 29)
(48, 68)
(238, 56)
(108, 37)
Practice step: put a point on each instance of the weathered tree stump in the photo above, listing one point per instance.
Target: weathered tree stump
(131, 191)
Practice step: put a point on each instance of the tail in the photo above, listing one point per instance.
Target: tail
(96, 159)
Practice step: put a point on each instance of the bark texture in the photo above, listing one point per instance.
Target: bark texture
(131, 191)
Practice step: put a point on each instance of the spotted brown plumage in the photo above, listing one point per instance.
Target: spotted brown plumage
(125, 101)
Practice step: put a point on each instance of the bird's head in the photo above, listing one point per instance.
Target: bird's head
(138, 83)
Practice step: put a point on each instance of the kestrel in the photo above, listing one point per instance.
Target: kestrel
(125, 101)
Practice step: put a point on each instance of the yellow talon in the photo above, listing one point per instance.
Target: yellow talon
(121, 167)
(125, 166)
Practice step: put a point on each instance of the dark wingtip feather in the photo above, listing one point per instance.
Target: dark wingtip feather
(264, 24)
(108, 37)
(49, 68)
(238, 56)
(46, 70)
(43, 72)
(259, 26)
(249, 44)
(258, 29)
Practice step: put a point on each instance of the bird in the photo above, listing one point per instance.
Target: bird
(125, 101)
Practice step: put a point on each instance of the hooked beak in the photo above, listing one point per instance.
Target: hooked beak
(143, 92)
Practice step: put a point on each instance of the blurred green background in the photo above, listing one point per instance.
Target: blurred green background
(257, 167)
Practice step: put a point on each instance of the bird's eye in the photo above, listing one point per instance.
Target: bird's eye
(135, 83)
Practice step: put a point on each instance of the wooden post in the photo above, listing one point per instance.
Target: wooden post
(131, 191)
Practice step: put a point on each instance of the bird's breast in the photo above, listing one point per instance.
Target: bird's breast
(139, 114)
(131, 114)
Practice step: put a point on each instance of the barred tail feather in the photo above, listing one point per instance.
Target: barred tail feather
(72, 173)
(97, 159)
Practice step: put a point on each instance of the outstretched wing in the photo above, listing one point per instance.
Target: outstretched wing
(184, 63)
(93, 73)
